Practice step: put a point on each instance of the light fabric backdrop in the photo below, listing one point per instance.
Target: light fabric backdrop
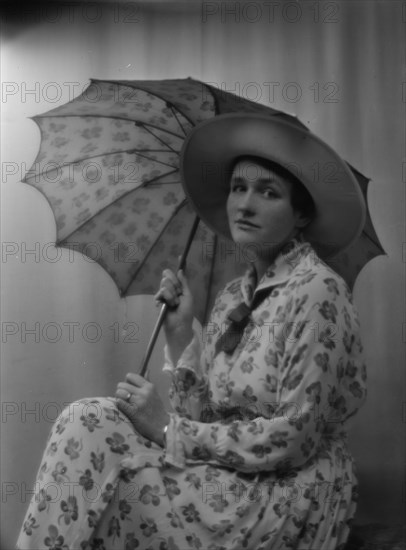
(338, 65)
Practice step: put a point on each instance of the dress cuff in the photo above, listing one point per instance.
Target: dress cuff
(190, 358)
(174, 448)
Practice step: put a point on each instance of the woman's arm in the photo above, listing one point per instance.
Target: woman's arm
(174, 291)
(321, 383)
(184, 360)
(189, 376)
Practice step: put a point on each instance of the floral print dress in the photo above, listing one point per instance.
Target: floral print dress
(256, 450)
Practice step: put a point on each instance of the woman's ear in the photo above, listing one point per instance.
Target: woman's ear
(302, 220)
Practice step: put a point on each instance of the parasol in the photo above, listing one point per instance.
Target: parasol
(108, 165)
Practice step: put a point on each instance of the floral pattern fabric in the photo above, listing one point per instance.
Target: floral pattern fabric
(256, 450)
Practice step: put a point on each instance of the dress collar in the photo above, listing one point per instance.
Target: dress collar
(279, 271)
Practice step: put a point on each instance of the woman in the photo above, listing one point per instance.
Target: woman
(254, 455)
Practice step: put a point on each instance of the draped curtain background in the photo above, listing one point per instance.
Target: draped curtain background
(66, 334)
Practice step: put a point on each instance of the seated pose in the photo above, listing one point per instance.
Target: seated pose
(253, 454)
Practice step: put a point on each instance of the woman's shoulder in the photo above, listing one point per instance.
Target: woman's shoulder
(317, 278)
(233, 286)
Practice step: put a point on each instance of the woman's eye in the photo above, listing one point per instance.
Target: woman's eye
(269, 193)
(237, 188)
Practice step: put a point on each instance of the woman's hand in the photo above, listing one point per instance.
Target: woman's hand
(174, 291)
(140, 402)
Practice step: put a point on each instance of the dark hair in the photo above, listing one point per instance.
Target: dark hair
(300, 198)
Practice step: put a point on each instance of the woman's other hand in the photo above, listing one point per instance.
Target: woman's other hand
(174, 291)
(141, 403)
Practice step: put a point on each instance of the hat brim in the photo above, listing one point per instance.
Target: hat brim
(211, 149)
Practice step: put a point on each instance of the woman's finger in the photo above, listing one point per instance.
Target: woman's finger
(125, 388)
(168, 291)
(169, 286)
(169, 275)
(136, 379)
(167, 296)
(129, 409)
(123, 394)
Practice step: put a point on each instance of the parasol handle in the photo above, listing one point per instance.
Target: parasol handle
(164, 307)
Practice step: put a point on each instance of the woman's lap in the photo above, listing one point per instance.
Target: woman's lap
(102, 486)
(92, 445)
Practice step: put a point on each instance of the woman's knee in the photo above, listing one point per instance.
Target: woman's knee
(89, 412)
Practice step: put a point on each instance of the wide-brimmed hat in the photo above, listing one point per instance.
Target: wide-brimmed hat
(212, 148)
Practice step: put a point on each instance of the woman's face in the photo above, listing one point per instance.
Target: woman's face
(259, 208)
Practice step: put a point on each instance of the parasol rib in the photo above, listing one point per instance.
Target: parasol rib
(171, 107)
(146, 128)
(373, 241)
(137, 152)
(91, 115)
(126, 151)
(118, 199)
(179, 207)
(139, 86)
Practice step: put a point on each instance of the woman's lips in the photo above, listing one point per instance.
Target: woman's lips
(245, 224)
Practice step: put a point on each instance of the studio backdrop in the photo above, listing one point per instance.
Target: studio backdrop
(66, 333)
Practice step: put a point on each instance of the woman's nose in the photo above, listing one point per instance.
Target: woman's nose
(246, 202)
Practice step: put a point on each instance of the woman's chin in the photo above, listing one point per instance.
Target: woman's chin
(245, 237)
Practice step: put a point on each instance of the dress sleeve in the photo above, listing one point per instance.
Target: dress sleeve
(188, 379)
(189, 382)
(321, 382)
